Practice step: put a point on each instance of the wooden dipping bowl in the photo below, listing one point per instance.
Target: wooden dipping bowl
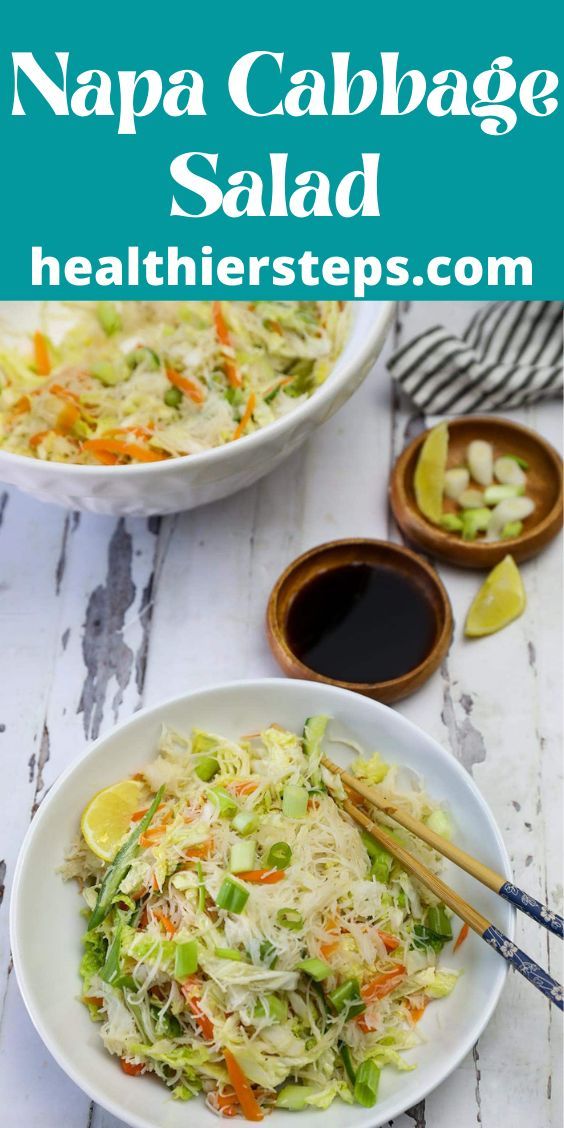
(544, 486)
(360, 551)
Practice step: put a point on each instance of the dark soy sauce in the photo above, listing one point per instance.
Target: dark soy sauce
(361, 623)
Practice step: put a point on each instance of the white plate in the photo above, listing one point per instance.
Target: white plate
(196, 479)
(46, 927)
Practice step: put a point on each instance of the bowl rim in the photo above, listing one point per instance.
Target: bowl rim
(379, 329)
(278, 633)
(84, 1081)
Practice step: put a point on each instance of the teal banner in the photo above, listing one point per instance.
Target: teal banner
(368, 150)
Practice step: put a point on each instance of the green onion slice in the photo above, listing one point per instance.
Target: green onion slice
(279, 856)
(231, 896)
(318, 969)
(185, 959)
(294, 801)
(347, 998)
(207, 767)
(290, 918)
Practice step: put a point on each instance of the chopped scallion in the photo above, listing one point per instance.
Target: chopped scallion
(294, 801)
(206, 768)
(231, 896)
(242, 856)
(185, 959)
(290, 918)
(279, 855)
(317, 969)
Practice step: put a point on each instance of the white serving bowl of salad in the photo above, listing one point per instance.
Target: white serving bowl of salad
(414, 1056)
(109, 407)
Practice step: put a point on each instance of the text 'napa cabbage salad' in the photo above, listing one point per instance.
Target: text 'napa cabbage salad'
(136, 382)
(245, 941)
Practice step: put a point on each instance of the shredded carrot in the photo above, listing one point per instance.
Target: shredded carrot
(37, 438)
(119, 446)
(201, 850)
(67, 417)
(151, 836)
(225, 1103)
(390, 942)
(249, 1105)
(189, 387)
(41, 353)
(130, 1069)
(190, 990)
(21, 406)
(416, 1012)
(224, 338)
(366, 1024)
(328, 950)
(461, 936)
(94, 1000)
(63, 393)
(165, 921)
(244, 786)
(138, 815)
(262, 876)
(154, 886)
(383, 984)
(107, 459)
(251, 404)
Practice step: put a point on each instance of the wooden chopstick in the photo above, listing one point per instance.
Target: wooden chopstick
(478, 923)
(495, 881)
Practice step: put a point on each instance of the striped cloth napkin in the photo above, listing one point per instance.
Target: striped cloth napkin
(509, 355)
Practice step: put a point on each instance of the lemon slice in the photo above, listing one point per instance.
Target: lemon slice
(429, 479)
(106, 819)
(500, 599)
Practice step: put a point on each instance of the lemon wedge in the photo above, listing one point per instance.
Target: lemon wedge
(429, 479)
(500, 599)
(106, 819)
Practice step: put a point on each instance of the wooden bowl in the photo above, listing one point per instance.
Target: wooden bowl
(544, 486)
(354, 551)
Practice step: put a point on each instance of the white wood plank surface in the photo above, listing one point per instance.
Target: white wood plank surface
(99, 616)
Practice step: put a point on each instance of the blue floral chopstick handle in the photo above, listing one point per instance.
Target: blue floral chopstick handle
(532, 908)
(525, 965)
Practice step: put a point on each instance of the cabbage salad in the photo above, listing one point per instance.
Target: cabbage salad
(248, 942)
(135, 382)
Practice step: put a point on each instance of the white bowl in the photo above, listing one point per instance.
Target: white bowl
(46, 927)
(196, 479)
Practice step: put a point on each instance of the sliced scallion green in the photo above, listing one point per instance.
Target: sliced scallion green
(206, 768)
(279, 856)
(231, 896)
(185, 959)
(317, 969)
(242, 855)
(347, 998)
(229, 954)
(294, 801)
(347, 1062)
(290, 918)
(245, 822)
(224, 802)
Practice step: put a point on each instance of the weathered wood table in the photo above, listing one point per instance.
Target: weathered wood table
(100, 616)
